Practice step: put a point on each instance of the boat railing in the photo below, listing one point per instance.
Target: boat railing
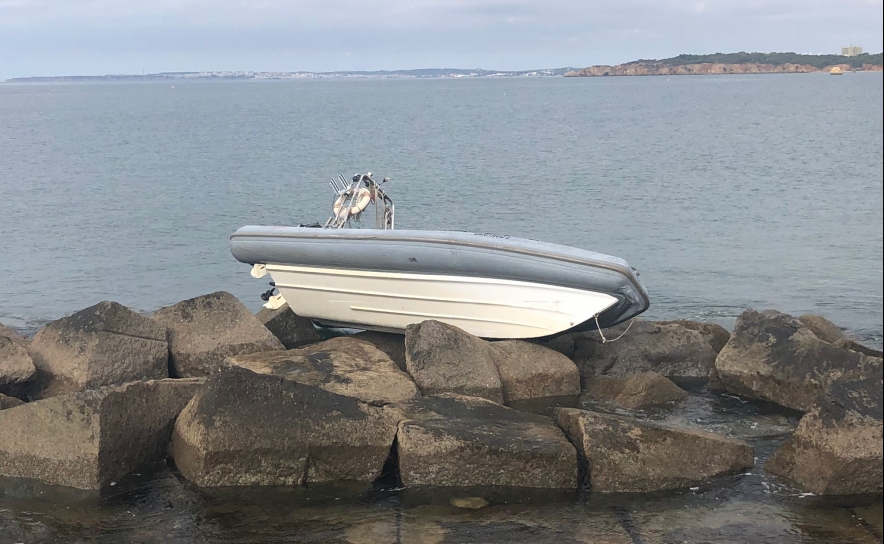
(354, 196)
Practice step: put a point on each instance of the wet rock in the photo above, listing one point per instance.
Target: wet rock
(774, 357)
(205, 330)
(714, 383)
(530, 371)
(344, 365)
(637, 392)
(648, 389)
(391, 344)
(9, 402)
(89, 439)
(442, 358)
(12, 334)
(603, 388)
(16, 366)
(244, 428)
(852, 345)
(564, 343)
(291, 329)
(628, 456)
(873, 516)
(468, 503)
(716, 335)
(837, 447)
(453, 440)
(445, 359)
(668, 349)
(824, 329)
(105, 344)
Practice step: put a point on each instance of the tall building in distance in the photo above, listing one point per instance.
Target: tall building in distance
(851, 51)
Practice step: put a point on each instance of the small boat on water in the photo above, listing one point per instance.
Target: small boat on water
(385, 279)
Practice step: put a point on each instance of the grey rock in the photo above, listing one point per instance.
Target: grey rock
(344, 365)
(453, 440)
(853, 345)
(774, 357)
(9, 402)
(837, 447)
(89, 439)
(291, 329)
(12, 334)
(668, 349)
(648, 389)
(442, 358)
(564, 343)
(105, 344)
(205, 330)
(603, 388)
(244, 428)
(637, 392)
(824, 329)
(16, 366)
(530, 371)
(625, 455)
(391, 344)
(716, 335)
(445, 359)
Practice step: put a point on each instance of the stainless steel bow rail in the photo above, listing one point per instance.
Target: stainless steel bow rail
(349, 198)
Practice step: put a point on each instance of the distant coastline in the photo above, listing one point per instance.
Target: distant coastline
(248, 75)
(718, 63)
(735, 63)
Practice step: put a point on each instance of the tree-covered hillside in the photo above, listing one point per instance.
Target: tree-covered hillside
(817, 61)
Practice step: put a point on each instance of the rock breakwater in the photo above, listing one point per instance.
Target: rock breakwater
(433, 407)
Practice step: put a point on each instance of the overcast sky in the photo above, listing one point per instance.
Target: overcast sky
(68, 37)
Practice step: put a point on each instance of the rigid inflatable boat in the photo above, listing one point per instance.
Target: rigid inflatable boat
(385, 279)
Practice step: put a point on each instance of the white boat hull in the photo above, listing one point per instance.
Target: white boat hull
(485, 307)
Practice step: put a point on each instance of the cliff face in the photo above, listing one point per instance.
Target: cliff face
(659, 69)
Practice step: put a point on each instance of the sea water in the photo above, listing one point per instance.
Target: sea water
(725, 192)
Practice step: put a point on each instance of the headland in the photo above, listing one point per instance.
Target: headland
(735, 63)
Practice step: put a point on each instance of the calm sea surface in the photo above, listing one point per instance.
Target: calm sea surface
(726, 192)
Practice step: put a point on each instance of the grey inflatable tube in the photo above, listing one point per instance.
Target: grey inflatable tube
(451, 253)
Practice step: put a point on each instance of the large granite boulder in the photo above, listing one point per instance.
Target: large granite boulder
(89, 439)
(391, 344)
(837, 447)
(344, 365)
(530, 371)
(668, 349)
(853, 345)
(637, 392)
(291, 329)
(822, 328)
(453, 440)
(16, 366)
(244, 428)
(625, 455)
(9, 402)
(12, 334)
(105, 344)
(445, 359)
(715, 334)
(774, 357)
(205, 330)
(829, 332)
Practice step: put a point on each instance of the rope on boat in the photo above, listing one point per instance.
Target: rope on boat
(605, 340)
